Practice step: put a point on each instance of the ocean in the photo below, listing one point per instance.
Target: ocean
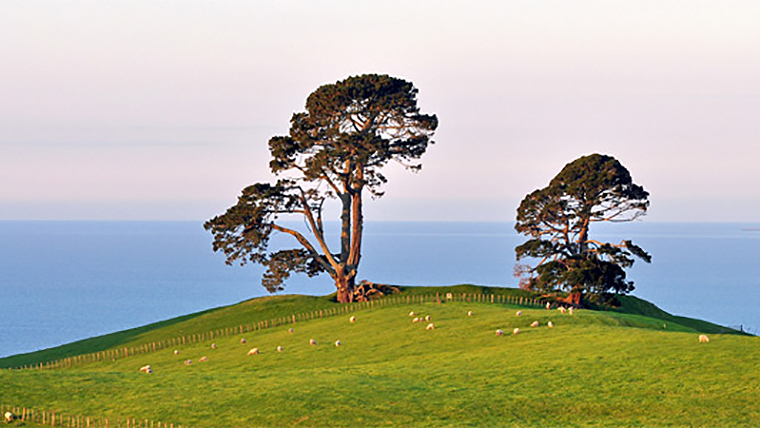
(65, 281)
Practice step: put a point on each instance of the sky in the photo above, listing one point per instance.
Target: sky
(162, 110)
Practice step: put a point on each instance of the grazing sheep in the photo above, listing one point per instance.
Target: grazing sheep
(312, 342)
(352, 319)
(279, 349)
(243, 341)
(203, 359)
(176, 352)
(416, 320)
(703, 338)
(518, 313)
(337, 343)
(469, 313)
(188, 362)
(550, 324)
(411, 314)
(290, 330)
(427, 318)
(253, 351)
(516, 331)
(213, 346)
(570, 310)
(499, 332)
(430, 327)
(562, 309)
(146, 369)
(9, 417)
(548, 305)
(534, 324)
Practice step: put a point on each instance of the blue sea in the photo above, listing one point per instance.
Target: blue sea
(65, 281)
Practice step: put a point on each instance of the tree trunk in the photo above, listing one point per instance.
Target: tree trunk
(345, 284)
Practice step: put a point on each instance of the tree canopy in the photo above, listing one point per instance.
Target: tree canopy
(557, 219)
(336, 149)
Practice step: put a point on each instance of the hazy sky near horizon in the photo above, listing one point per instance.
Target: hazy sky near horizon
(147, 110)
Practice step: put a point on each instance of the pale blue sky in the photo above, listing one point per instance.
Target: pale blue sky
(162, 110)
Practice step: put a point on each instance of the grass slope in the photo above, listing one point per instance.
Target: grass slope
(592, 369)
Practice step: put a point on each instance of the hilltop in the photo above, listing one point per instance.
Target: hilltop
(634, 366)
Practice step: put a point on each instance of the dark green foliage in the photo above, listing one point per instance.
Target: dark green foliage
(557, 219)
(335, 150)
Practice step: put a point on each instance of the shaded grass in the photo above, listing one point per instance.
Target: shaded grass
(592, 369)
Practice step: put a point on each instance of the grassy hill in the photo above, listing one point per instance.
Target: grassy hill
(636, 366)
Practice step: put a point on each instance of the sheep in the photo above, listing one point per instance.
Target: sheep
(469, 313)
(290, 330)
(415, 320)
(213, 346)
(203, 359)
(499, 332)
(176, 352)
(562, 309)
(352, 319)
(279, 349)
(312, 342)
(337, 343)
(548, 305)
(430, 327)
(550, 324)
(427, 318)
(534, 324)
(146, 369)
(188, 362)
(9, 417)
(411, 314)
(243, 340)
(516, 331)
(518, 313)
(703, 338)
(253, 351)
(570, 310)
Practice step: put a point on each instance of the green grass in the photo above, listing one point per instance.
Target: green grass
(593, 368)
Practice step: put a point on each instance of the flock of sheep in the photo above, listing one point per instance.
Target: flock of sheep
(415, 319)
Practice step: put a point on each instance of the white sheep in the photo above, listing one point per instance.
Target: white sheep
(352, 319)
(203, 359)
(518, 313)
(499, 332)
(516, 331)
(213, 346)
(337, 343)
(703, 338)
(146, 369)
(469, 313)
(427, 318)
(243, 341)
(550, 324)
(416, 320)
(430, 327)
(562, 309)
(411, 314)
(312, 342)
(279, 349)
(188, 362)
(534, 324)
(253, 351)
(570, 310)
(290, 330)
(9, 417)
(548, 305)
(176, 352)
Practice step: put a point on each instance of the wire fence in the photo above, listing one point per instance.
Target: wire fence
(392, 300)
(25, 416)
